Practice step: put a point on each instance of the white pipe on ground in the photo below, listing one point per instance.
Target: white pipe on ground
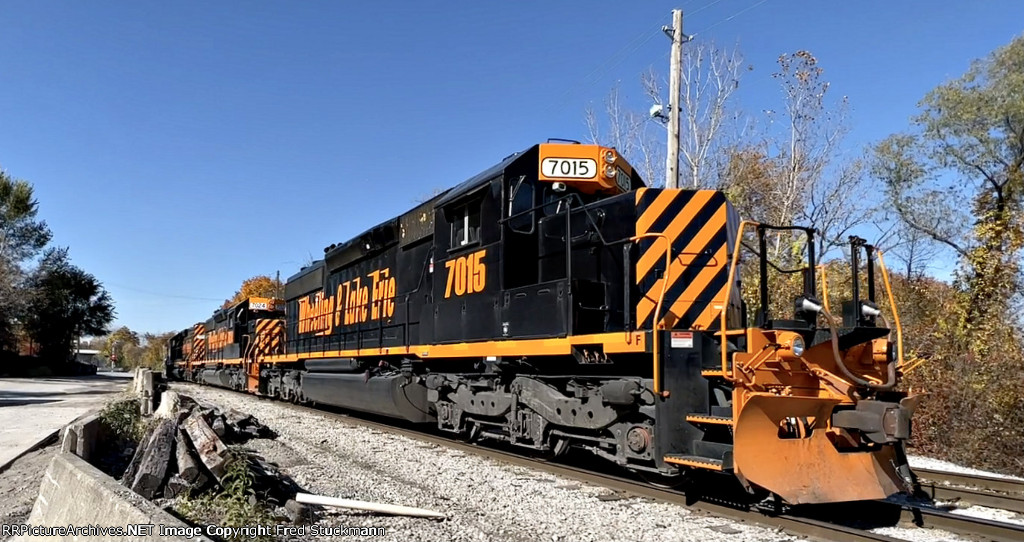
(391, 509)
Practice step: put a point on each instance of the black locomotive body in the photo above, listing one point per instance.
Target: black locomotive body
(554, 301)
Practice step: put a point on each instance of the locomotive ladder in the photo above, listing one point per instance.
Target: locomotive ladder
(717, 424)
(714, 451)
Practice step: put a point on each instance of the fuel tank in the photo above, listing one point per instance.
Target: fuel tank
(216, 377)
(395, 396)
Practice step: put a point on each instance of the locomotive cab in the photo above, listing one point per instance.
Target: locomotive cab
(533, 247)
(234, 337)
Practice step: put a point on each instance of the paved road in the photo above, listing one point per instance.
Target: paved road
(33, 408)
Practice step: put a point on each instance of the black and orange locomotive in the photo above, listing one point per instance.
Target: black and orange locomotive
(555, 301)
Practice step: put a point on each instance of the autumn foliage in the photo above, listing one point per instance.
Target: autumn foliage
(258, 286)
(957, 177)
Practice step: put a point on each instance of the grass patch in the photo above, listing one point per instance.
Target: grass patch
(235, 505)
(122, 418)
(123, 427)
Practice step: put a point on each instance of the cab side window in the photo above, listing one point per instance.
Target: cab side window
(520, 219)
(465, 223)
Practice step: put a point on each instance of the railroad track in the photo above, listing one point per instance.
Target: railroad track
(818, 529)
(972, 527)
(973, 489)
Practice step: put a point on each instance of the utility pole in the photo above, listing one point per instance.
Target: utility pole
(674, 82)
(277, 285)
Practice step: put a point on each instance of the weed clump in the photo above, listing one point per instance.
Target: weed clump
(123, 428)
(237, 504)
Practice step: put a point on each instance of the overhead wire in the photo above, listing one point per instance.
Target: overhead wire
(658, 27)
(729, 18)
(721, 21)
(611, 61)
(619, 56)
(158, 294)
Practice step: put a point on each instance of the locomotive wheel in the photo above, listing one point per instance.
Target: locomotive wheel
(661, 481)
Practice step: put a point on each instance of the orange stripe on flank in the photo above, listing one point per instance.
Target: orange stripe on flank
(612, 343)
(695, 288)
(655, 254)
(654, 210)
(679, 263)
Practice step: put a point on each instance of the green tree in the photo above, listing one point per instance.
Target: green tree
(968, 145)
(957, 177)
(118, 346)
(130, 350)
(153, 352)
(22, 236)
(13, 304)
(65, 303)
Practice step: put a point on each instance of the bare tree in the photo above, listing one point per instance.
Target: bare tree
(839, 201)
(923, 202)
(795, 174)
(710, 76)
(634, 135)
(912, 249)
(814, 186)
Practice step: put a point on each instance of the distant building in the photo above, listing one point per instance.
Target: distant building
(89, 356)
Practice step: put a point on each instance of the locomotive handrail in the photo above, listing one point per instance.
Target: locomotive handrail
(891, 377)
(890, 381)
(569, 209)
(824, 288)
(723, 325)
(249, 346)
(568, 264)
(892, 307)
(569, 197)
(656, 322)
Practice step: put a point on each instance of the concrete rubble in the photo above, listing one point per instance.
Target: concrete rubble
(187, 448)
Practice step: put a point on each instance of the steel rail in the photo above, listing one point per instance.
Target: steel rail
(990, 483)
(968, 496)
(1003, 493)
(976, 528)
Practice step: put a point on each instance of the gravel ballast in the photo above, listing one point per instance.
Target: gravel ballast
(921, 462)
(484, 499)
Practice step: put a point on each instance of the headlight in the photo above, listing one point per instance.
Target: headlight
(609, 156)
(797, 346)
(609, 171)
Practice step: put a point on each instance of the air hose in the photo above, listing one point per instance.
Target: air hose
(890, 382)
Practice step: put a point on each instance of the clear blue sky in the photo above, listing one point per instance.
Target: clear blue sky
(180, 147)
